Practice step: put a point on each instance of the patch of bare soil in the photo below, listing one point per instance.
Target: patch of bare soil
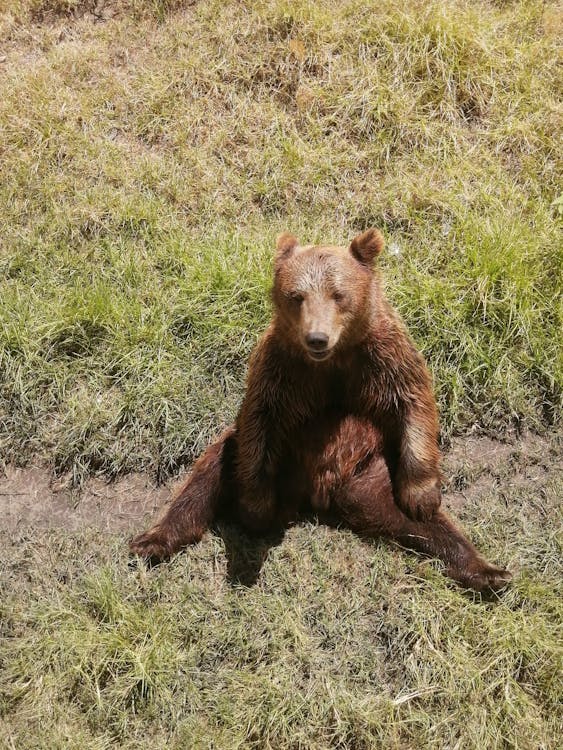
(474, 466)
(30, 498)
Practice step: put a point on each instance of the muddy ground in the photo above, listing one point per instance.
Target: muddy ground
(475, 465)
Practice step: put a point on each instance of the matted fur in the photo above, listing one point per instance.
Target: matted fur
(338, 419)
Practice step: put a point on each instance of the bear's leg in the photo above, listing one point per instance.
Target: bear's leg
(194, 506)
(440, 538)
(367, 506)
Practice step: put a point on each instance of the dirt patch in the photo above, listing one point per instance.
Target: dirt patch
(28, 498)
(474, 466)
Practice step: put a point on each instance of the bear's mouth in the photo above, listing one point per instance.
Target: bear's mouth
(319, 356)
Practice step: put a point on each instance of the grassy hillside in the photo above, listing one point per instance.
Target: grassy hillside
(152, 151)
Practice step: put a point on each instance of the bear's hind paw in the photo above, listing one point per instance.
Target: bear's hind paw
(152, 545)
(486, 578)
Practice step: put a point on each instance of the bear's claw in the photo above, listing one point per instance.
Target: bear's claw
(152, 545)
(487, 578)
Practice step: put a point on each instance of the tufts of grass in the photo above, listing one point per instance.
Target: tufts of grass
(170, 331)
(151, 151)
(340, 644)
(150, 158)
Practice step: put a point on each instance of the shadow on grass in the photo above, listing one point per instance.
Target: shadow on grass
(245, 553)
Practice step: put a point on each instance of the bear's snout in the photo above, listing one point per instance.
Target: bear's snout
(317, 341)
(317, 345)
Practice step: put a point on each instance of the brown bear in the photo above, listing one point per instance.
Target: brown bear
(338, 420)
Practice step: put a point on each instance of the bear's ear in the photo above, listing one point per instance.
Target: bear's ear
(367, 246)
(285, 245)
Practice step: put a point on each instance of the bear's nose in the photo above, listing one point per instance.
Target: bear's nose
(317, 340)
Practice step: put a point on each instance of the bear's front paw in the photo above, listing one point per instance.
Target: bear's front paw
(152, 545)
(482, 576)
(419, 501)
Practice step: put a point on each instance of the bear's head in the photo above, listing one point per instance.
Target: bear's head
(324, 293)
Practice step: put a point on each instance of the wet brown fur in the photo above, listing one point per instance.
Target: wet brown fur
(352, 437)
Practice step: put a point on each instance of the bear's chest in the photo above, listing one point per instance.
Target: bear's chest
(333, 393)
(354, 390)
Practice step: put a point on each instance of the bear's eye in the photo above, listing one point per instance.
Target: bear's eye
(338, 297)
(296, 297)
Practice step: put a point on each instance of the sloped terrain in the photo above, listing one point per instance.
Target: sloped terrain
(150, 152)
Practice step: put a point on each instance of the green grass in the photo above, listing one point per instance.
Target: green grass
(150, 152)
(340, 644)
(150, 160)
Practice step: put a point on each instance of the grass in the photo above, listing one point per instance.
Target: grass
(150, 160)
(340, 644)
(151, 151)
